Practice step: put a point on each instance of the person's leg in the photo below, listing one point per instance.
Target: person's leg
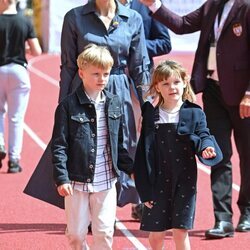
(3, 85)
(220, 126)
(242, 141)
(156, 240)
(17, 99)
(77, 215)
(181, 239)
(103, 212)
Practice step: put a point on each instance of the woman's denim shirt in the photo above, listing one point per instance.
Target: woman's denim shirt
(74, 140)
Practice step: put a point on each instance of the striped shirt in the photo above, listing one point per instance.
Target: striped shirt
(104, 178)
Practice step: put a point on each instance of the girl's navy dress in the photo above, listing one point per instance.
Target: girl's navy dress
(174, 206)
(165, 164)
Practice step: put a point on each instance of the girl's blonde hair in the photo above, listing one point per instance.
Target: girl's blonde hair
(165, 70)
(95, 55)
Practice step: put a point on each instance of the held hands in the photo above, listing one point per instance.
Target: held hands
(147, 2)
(208, 153)
(65, 189)
(149, 204)
(245, 107)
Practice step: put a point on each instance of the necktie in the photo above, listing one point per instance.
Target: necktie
(221, 7)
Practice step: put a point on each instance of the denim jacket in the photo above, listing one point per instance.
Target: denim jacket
(74, 140)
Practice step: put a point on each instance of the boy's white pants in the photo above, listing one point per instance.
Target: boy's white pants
(100, 209)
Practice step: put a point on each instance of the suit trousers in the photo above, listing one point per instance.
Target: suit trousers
(100, 209)
(223, 120)
(14, 97)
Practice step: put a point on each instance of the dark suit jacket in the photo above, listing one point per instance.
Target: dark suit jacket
(157, 37)
(192, 127)
(233, 47)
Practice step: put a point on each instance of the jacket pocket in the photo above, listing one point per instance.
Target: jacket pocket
(114, 121)
(79, 125)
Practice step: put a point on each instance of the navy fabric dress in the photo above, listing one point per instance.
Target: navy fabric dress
(174, 204)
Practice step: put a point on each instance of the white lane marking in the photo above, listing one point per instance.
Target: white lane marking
(39, 72)
(119, 225)
(34, 136)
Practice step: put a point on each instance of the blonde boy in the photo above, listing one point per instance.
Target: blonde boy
(88, 152)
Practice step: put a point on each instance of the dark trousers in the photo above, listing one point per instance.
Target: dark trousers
(223, 120)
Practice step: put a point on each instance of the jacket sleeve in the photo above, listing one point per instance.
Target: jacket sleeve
(68, 55)
(124, 162)
(180, 24)
(158, 43)
(59, 146)
(138, 62)
(203, 139)
(144, 163)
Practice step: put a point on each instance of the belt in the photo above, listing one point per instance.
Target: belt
(117, 71)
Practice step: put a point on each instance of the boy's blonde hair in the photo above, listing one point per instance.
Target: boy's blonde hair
(165, 70)
(95, 55)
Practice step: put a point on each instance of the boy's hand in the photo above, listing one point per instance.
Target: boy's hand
(208, 153)
(65, 189)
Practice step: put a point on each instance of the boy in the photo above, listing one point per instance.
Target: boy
(88, 152)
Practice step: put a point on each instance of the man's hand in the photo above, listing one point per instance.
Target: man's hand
(245, 107)
(65, 189)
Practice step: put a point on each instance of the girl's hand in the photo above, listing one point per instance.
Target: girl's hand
(65, 189)
(149, 204)
(139, 125)
(132, 177)
(208, 153)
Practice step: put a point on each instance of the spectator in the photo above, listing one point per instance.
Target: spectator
(17, 37)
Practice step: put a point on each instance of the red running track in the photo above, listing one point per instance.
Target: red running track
(27, 223)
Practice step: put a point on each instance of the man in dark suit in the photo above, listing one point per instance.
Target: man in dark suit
(221, 71)
(158, 43)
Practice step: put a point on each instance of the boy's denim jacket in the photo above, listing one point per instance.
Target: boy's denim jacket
(74, 140)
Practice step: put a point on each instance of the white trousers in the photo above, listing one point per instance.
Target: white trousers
(14, 97)
(100, 209)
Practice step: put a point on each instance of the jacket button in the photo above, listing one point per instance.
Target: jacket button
(92, 150)
(92, 119)
(81, 120)
(91, 166)
(88, 180)
(93, 135)
(183, 123)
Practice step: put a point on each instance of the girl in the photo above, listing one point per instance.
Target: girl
(165, 165)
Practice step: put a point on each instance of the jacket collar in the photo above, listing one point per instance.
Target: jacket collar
(121, 10)
(83, 99)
